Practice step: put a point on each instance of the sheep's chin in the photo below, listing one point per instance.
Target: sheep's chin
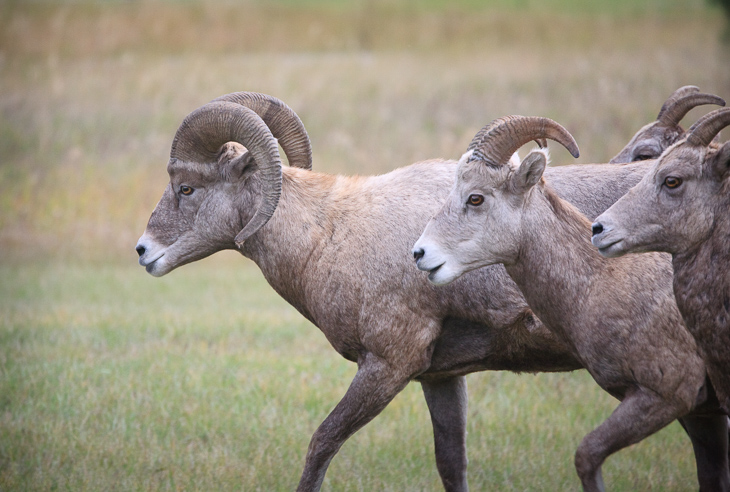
(444, 274)
(158, 267)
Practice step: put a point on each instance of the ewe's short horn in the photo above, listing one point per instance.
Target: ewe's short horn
(707, 127)
(201, 135)
(496, 142)
(283, 122)
(682, 101)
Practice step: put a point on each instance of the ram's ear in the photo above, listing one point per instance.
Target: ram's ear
(721, 162)
(530, 171)
(235, 161)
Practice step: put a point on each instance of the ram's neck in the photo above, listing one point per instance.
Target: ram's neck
(294, 237)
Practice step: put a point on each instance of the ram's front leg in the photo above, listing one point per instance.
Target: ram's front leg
(447, 401)
(374, 386)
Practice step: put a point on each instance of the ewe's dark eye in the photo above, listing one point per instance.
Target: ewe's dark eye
(186, 190)
(672, 182)
(643, 157)
(475, 200)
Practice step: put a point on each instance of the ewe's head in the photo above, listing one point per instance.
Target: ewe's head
(654, 138)
(674, 207)
(225, 179)
(481, 220)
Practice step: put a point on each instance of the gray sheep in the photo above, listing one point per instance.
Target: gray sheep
(682, 207)
(618, 317)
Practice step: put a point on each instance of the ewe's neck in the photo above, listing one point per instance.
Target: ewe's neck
(702, 277)
(557, 265)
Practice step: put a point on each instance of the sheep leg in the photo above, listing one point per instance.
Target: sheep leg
(709, 435)
(374, 386)
(447, 401)
(639, 415)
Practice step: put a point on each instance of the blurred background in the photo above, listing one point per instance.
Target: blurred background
(105, 373)
(92, 92)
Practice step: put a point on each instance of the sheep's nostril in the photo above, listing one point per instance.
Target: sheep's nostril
(418, 254)
(140, 250)
(597, 228)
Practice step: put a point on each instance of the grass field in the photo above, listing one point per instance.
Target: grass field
(206, 379)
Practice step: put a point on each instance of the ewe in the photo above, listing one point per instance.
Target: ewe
(682, 207)
(337, 249)
(651, 140)
(618, 317)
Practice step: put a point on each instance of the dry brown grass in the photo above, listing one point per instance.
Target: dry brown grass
(92, 94)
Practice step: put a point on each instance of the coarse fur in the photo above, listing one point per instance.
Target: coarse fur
(618, 317)
(337, 249)
(691, 221)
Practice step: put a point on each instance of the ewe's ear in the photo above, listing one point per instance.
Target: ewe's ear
(721, 162)
(235, 161)
(530, 171)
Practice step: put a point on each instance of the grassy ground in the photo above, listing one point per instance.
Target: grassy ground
(206, 380)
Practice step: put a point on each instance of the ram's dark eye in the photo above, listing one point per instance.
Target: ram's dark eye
(475, 200)
(186, 190)
(643, 157)
(672, 182)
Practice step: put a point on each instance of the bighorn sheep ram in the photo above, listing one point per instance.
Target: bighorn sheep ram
(338, 249)
(618, 317)
(682, 207)
(651, 140)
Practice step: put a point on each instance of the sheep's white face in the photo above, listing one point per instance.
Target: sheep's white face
(671, 209)
(198, 214)
(480, 223)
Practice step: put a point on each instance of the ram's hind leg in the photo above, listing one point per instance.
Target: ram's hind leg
(639, 415)
(447, 402)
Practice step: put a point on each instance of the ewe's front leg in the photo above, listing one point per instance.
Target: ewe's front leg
(374, 386)
(447, 401)
(639, 415)
(709, 435)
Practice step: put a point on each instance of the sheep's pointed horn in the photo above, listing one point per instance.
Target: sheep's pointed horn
(682, 101)
(496, 142)
(283, 122)
(206, 129)
(707, 127)
(676, 96)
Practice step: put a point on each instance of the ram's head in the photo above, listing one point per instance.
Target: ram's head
(225, 179)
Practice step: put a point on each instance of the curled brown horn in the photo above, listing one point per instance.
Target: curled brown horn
(206, 129)
(682, 101)
(707, 127)
(497, 141)
(677, 95)
(283, 122)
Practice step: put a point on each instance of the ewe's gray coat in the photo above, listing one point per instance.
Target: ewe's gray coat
(682, 207)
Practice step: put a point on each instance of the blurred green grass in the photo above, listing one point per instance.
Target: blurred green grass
(206, 380)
